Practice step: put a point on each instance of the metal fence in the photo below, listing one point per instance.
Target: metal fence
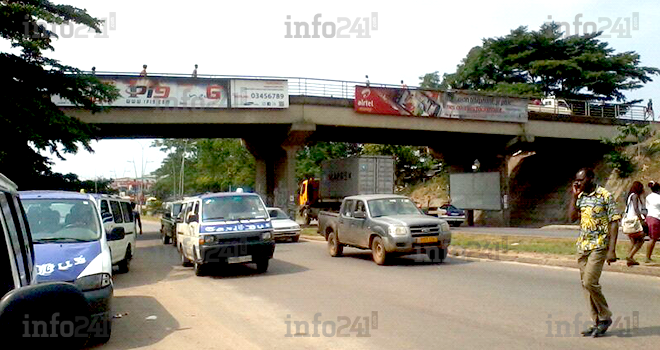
(299, 86)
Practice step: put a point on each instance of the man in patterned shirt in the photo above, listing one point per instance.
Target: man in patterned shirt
(599, 219)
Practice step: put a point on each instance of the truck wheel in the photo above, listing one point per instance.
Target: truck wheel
(437, 255)
(306, 217)
(334, 247)
(295, 238)
(378, 251)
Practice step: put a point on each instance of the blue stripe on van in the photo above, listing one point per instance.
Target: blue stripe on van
(253, 226)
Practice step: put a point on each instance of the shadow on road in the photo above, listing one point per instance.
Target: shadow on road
(277, 267)
(147, 315)
(406, 260)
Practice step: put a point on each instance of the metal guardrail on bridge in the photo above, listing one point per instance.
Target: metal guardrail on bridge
(299, 86)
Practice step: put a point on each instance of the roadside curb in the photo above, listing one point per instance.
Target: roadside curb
(549, 260)
(312, 238)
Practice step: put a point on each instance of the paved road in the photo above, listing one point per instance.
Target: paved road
(413, 304)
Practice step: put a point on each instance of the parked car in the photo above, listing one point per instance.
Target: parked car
(70, 245)
(387, 224)
(24, 303)
(169, 220)
(118, 212)
(454, 216)
(283, 226)
(225, 228)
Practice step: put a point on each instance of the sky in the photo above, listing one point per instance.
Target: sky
(406, 40)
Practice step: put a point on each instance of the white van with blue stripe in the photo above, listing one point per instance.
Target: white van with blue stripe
(71, 245)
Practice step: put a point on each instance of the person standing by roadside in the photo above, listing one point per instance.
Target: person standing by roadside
(633, 221)
(599, 219)
(653, 218)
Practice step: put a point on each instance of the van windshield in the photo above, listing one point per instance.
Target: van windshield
(62, 220)
(233, 208)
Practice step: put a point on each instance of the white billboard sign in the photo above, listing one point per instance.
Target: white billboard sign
(259, 94)
(480, 191)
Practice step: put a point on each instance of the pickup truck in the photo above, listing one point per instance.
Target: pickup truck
(550, 105)
(389, 225)
(168, 221)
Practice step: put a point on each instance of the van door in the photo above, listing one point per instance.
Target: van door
(117, 248)
(184, 231)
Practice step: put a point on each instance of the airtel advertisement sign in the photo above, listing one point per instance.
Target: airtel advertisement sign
(439, 104)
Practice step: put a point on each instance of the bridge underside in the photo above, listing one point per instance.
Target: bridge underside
(274, 137)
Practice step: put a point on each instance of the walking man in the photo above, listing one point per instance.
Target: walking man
(649, 109)
(599, 219)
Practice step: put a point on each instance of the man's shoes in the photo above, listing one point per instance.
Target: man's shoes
(601, 328)
(649, 261)
(631, 262)
(590, 331)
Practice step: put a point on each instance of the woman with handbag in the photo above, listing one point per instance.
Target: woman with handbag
(653, 217)
(633, 221)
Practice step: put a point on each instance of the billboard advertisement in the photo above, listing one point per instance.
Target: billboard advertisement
(439, 104)
(480, 191)
(165, 92)
(259, 94)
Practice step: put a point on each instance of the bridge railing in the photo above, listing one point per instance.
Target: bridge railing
(299, 86)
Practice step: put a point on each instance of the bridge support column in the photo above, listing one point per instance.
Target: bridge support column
(275, 180)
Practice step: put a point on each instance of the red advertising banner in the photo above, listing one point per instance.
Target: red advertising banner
(439, 104)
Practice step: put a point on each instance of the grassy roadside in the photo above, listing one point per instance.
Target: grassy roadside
(309, 231)
(540, 245)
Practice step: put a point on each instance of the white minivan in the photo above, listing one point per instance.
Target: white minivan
(225, 228)
(118, 212)
(70, 245)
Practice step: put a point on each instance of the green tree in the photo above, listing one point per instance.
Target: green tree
(544, 62)
(208, 165)
(29, 79)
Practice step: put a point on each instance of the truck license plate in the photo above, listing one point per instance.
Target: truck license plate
(239, 259)
(427, 239)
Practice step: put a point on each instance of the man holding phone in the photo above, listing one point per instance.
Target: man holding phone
(599, 219)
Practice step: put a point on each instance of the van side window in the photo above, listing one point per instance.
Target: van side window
(128, 211)
(15, 241)
(360, 207)
(116, 212)
(6, 275)
(105, 210)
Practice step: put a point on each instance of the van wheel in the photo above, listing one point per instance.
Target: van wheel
(166, 238)
(334, 247)
(378, 251)
(199, 268)
(125, 265)
(262, 265)
(105, 331)
(184, 261)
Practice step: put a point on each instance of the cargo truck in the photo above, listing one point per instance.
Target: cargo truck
(345, 177)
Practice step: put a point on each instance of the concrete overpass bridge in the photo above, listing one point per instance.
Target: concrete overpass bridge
(324, 110)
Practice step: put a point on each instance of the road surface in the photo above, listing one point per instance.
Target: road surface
(307, 299)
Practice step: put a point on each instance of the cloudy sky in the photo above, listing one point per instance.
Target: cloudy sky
(406, 40)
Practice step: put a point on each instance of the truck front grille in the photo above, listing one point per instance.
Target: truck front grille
(425, 230)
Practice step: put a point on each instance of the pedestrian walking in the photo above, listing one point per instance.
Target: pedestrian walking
(653, 218)
(599, 219)
(136, 215)
(194, 73)
(649, 108)
(367, 82)
(144, 71)
(633, 221)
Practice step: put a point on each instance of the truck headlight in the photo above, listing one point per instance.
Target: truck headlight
(397, 230)
(266, 235)
(96, 281)
(444, 226)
